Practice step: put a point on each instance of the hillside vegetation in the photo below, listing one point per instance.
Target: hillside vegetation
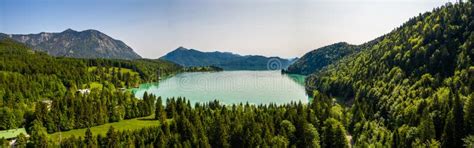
(38, 89)
(124, 125)
(411, 87)
(225, 60)
(321, 57)
(414, 86)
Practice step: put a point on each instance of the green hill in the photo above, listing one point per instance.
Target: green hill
(414, 86)
(29, 78)
(321, 57)
(225, 60)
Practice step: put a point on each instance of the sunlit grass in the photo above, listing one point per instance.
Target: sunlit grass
(122, 70)
(132, 124)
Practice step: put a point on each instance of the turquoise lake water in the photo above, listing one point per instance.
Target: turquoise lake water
(254, 87)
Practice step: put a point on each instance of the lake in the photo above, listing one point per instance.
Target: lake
(254, 87)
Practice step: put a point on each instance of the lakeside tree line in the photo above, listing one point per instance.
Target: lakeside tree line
(412, 88)
(81, 111)
(213, 124)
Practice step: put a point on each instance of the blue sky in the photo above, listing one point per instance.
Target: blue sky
(286, 28)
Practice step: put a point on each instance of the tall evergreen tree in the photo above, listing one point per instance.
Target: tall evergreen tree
(469, 114)
(39, 136)
(21, 141)
(311, 136)
(112, 138)
(333, 135)
(89, 139)
(160, 113)
(459, 131)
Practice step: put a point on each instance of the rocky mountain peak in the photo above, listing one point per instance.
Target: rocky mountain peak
(80, 44)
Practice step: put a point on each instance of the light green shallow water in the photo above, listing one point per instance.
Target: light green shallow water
(254, 87)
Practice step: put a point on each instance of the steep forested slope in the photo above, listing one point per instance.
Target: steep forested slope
(225, 60)
(192, 57)
(256, 62)
(321, 57)
(414, 86)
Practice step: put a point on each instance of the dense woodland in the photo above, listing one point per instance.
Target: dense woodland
(414, 87)
(409, 88)
(35, 87)
(203, 69)
(321, 57)
(225, 60)
(212, 124)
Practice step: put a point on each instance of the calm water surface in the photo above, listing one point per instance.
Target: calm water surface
(255, 87)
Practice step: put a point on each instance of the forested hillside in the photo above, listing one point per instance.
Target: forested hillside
(414, 86)
(321, 57)
(192, 57)
(225, 60)
(239, 125)
(36, 88)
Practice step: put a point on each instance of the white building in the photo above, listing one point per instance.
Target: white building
(84, 91)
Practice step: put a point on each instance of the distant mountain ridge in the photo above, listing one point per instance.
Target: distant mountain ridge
(321, 57)
(78, 44)
(226, 60)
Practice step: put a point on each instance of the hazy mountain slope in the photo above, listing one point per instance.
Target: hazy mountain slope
(192, 57)
(3, 36)
(417, 80)
(225, 60)
(321, 57)
(83, 44)
(256, 63)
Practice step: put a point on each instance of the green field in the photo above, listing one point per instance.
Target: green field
(122, 70)
(94, 85)
(12, 133)
(99, 86)
(132, 124)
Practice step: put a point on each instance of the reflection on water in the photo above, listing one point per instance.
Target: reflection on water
(297, 78)
(256, 87)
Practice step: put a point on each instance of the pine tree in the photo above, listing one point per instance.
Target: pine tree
(469, 114)
(311, 136)
(288, 130)
(4, 142)
(159, 111)
(427, 129)
(459, 131)
(21, 141)
(469, 141)
(112, 138)
(448, 137)
(334, 134)
(89, 139)
(39, 136)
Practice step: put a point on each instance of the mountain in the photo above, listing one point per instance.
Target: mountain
(192, 57)
(83, 44)
(255, 62)
(321, 57)
(413, 86)
(225, 60)
(3, 36)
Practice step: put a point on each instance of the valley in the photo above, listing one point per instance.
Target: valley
(410, 87)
